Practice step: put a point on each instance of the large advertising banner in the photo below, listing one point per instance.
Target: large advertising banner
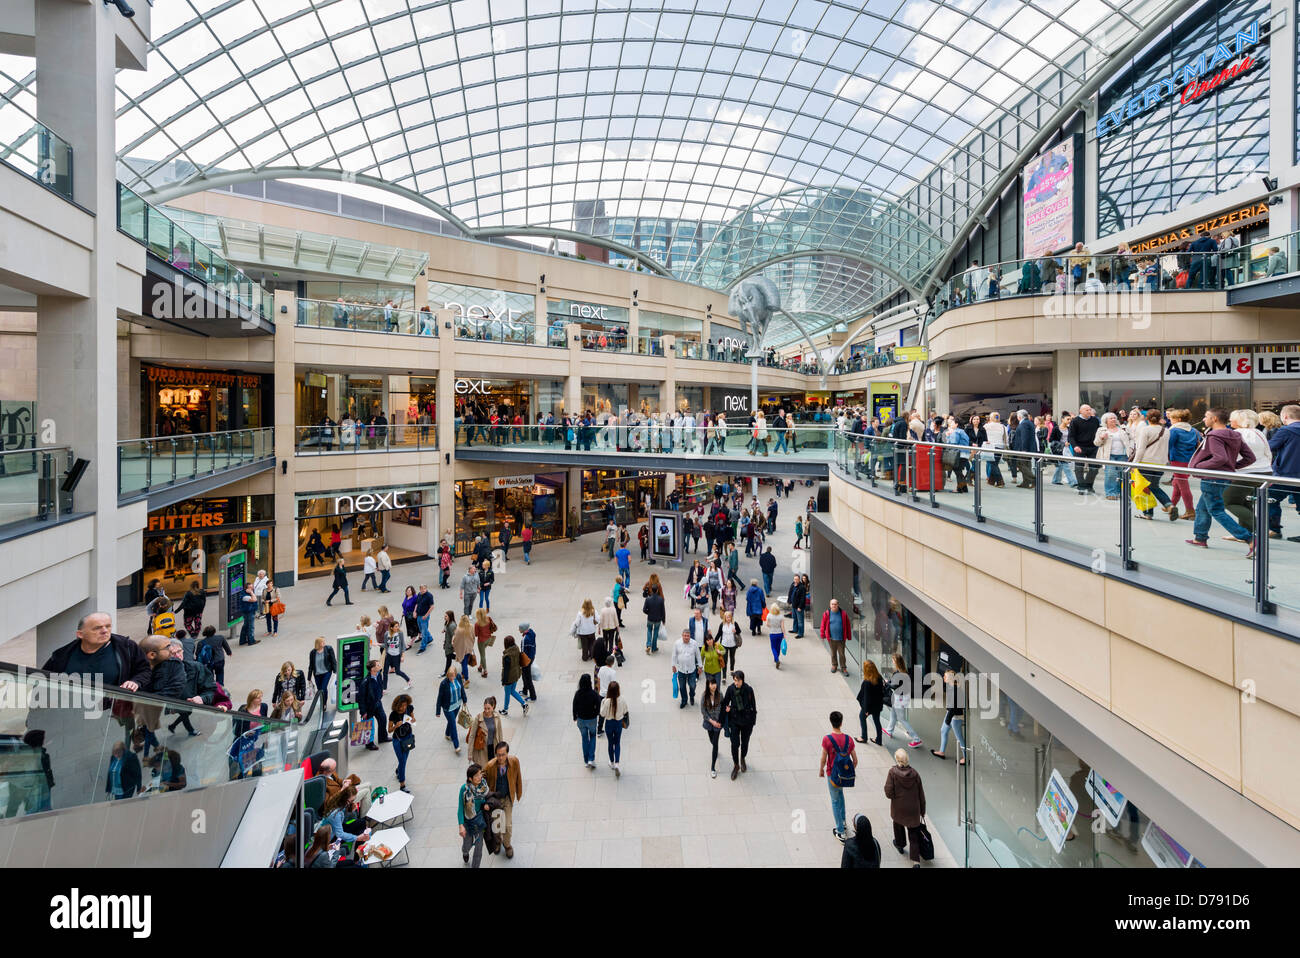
(1056, 811)
(1049, 201)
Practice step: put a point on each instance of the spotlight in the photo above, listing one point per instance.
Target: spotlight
(123, 7)
(1270, 183)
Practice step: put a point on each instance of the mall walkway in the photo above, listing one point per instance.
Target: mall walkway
(665, 810)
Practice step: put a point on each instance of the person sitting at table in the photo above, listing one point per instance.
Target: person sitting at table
(333, 784)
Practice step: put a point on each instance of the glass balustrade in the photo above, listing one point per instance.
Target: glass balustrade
(174, 245)
(147, 464)
(356, 438)
(33, 149)
(30, 482)
(67, 741)
(1120, 522)
(811, 444)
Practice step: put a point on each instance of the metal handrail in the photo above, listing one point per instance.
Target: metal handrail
(1262, 481)
(253, 445)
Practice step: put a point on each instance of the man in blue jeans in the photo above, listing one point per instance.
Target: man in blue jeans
(767, 565)
(423, 609)
(248, 605)
(624, 558)
(834, 745)
(1222, 451)
(1285, 446)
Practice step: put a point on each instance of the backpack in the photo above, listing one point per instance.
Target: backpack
(206, 654)
(842, 771)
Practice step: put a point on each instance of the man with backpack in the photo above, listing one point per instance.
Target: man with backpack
(211, 652)
(839, 767)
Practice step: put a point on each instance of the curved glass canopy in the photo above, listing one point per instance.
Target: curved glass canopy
(875, 126)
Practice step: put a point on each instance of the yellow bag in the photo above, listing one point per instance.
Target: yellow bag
(1140, 491)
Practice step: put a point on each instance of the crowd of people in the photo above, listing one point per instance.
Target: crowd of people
(1240, 441)
(1210, 261)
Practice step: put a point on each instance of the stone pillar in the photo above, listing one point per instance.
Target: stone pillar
(942, 397)
(573, 385)
(633, 328)
(574, 500)
(541, 322)
(285, 547)
(76, 340)
(446, 422)
(1091, 157)
(1282, 219)
(668, 388)
(1065, 382)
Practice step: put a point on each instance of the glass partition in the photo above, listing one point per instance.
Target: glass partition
(145, 464)
(33, 149)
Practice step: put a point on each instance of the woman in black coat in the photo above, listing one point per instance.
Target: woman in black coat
(862, 850)
(340, 582)
(655, 614)
(871, 698)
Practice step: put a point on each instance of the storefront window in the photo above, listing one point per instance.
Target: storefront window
(412, 411)
(184, 543)
(483, 505)
(180, 402)
(479, 400)
(340, 397)
(602, 327)
(618, 494)
(604, 397)
(369, 294)
(403, 518)
(487, 314)
(1113, 397)
(690, 398)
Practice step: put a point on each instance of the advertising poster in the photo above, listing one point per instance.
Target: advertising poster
(1056, 811)
(1049, 201)
(1105, 797)
(233, 572)
(353, 651)
(665, 537)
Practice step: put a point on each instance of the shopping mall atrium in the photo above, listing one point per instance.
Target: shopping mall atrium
(887, 301)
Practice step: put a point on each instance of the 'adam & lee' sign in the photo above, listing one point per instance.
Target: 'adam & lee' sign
(1233, 366)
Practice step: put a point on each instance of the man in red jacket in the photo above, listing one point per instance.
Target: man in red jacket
(835, 630)
(1224, 451)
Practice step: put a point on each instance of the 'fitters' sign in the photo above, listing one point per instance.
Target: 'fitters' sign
(1233, 219)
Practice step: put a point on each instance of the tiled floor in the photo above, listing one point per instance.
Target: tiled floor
(665, 810)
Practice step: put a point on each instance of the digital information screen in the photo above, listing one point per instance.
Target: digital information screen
(353, 651)
(234, 571)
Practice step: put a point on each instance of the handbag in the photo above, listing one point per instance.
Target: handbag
(627, 720)
(364, 732)
(277, 608)
(537, 674)
(924, 842)
(472, 659)
(524, 660)
(480, 739)
(463, 719)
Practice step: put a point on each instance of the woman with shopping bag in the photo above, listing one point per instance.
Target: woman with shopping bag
(1151, 440)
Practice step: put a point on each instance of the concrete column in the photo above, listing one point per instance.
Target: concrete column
(573, 385)
(575, 499)
(285, 547)
(76, 340)
(633, 327)
(668, 388)
(1282, 219)
(446, 421)
(942, 397)
(1091, 157)
(421, 298)
(1065, 382)
(541, 322)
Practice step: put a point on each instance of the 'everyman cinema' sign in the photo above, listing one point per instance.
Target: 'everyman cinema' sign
(1209, 71)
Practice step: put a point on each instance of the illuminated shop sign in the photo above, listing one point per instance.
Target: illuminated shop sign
(1233, 219)
(486, 313)
(468, 387)
(1207, 72)
(370, 502)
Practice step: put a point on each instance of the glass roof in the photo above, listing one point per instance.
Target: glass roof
(876, 125)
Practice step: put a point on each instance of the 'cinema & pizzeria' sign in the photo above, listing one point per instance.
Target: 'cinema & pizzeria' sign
(1231, 220)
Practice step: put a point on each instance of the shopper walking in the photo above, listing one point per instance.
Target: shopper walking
(711, 710)
(1151, 447)
(505, 780)
(740, 711)
(409, 599)
(321, 663)
(614, 711)
(1183, 442)
(730, 639)
(655, 613)
(192, 604)
(528, 658)
(906, 797)
(511, 672)
(369, 567)
(839, 762)
(486, 577)
(340, 582)
(462, 647)
(385, 566)
(389, 636)
(485, 730)
(797, 597)
(584, 628)
(401, 728)
(775, 625)
(687, 665)
(871, 699)
(372, 703)
(586, 711)
(469, 586)
(451, 699)
(1225, 451)
(898, 697)
(485, 628)
(862, 850)
(469, 814)
(836, 630)
(423, 613)
(755, 601)
(954, 719)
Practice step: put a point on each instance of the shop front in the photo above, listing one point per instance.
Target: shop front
(356, 412)
(179, 402)
(507, 399)
(1194, 378)
(184, 543)
(622, 491)
(484, 505)
(696, 488)
(1019, 772)
(602, 327)
(405, 518)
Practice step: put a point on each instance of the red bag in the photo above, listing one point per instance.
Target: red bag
(1180, 280)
